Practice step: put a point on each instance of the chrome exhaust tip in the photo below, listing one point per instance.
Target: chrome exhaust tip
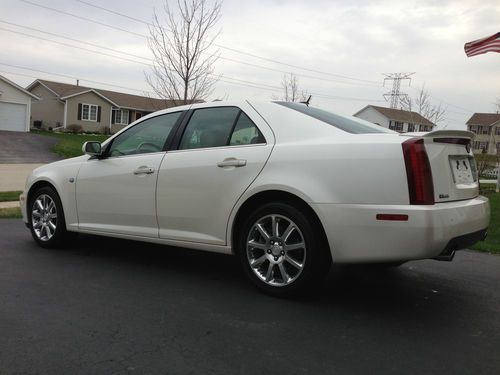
(446, 256)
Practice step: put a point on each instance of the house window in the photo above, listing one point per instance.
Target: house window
(89, 112)
(398, 126)
(497, 130)
(473, 129)
(483, 130)
(483, 145)
(411, 127)
(475, 145)
(121, 116)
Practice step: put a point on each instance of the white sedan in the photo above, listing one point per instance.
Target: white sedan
(286, 187)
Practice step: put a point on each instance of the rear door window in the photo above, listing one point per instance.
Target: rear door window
(218, 127)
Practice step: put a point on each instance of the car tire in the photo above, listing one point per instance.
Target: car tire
(46, 218)
(288, 261)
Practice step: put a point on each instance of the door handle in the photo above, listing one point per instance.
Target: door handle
(232, 162)
(144, 170)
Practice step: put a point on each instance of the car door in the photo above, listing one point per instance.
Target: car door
(116, 194)
(220, 153)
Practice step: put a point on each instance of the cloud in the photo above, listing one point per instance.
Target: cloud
(359, 39)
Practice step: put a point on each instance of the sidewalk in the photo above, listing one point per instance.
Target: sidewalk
(13, 176)
(9, 204)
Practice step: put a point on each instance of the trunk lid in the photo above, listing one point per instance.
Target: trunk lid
(454, 172)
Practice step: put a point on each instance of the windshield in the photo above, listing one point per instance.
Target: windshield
(347, 124)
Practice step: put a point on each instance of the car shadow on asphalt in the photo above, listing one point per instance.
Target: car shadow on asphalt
(409, 292)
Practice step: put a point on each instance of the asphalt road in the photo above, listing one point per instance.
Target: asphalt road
(19, 147)
(106, 306)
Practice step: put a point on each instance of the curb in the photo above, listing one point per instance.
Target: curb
(9, 204)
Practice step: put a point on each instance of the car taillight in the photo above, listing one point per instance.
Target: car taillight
(418, 172)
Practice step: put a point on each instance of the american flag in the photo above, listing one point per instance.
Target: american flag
(488, 44)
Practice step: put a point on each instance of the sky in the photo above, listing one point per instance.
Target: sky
(339, 50)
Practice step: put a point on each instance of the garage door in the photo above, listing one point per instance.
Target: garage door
(13, 117)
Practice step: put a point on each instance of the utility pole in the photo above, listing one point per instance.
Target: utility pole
(394, 95)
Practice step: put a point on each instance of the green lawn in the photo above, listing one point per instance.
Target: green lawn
(9, 196)
(492, 242)
(10, 213)
(70, 145)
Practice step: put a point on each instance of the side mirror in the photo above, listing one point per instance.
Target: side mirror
(92, 148)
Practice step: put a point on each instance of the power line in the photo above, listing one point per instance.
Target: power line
(73, 46)
(106, 54)
(217, 45)
(238, 83)
(137, 56)
(448, 103)
(232, 49)
(66, 76)
(254, 85)
(71, 39)
(82, 18)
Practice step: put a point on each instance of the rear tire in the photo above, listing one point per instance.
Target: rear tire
(46, 218)
(282, 250)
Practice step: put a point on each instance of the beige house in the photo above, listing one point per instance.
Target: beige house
(486, 126)
(395, 119)
(62, 105)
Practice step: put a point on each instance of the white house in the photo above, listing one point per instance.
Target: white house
(15, 106)
(395, 119)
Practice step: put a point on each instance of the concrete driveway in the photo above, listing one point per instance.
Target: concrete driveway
(26, 148)
(20, 153)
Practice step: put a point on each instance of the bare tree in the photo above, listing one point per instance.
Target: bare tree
(181, 41)
(497, 105)
(291, 90)
(423, 105)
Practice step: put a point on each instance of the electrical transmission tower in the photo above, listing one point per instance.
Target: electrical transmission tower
(394, 96)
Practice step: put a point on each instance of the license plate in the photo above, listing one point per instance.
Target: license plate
(462, 171)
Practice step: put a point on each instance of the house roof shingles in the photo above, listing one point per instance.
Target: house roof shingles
(485, 119)
(403, 116)
(121, 99)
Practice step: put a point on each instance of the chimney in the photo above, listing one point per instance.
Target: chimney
(78, 82)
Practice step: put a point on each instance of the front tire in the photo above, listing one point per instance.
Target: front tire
(46, 218)
(282, 250)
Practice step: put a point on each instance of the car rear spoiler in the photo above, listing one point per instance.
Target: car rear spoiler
(442, 134)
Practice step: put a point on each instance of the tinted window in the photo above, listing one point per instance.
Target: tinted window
(245, 132)
(346, 124)
(147, 136)
(209, 127)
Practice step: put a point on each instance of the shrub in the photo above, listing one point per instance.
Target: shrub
(105, 130)
(74, 128)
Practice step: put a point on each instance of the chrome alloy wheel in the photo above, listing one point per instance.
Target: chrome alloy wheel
(276, 250)
(44, 217)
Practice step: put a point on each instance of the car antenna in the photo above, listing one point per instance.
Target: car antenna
(307, 101)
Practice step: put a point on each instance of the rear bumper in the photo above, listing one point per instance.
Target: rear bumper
(355, 235)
